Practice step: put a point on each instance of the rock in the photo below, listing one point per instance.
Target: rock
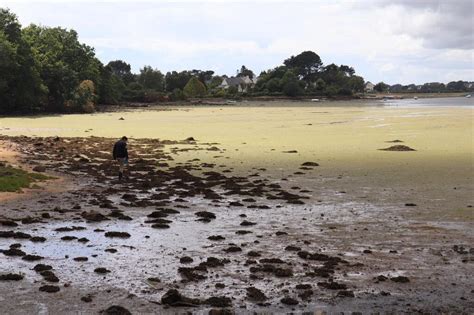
(117, 234)
(205, 215)
(160, 226)
(398, 147)
(39, 169)
(409, 204)
(233, 249)
(283, 272)
(253, 253)
(87, 298)
(14, 252)
(121, 118)
(68, 238)
(49, 276)
(290, 151)
(216, 238)
(80, 259)
(218, 301)
(41, 267)
(247, 223)
(345, 293)
(221, 312)
(38, 239)
(93, 216)
(303, 286)
(173, 298)
(32, 257)
(332, 285)
(49, 288)
(400, 279)
(186, 260)
(292, 248)
(116, 310)
(101, 270)
(8, 223)
(310, 164)
(255, 295)
(11, 277)
(289, 301)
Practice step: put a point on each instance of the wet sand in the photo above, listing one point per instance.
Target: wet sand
(366, 230)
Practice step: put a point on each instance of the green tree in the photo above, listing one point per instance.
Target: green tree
(151, 79)
(21, 88)
(111, 87)
(290, 84)
(176, 80)
(122, 70)
(245, 72)
(307, 65)
(63, 61)
(355, 84)
(381, 87)
(194, 88)
(320, 85)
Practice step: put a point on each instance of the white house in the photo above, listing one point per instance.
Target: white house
(242, 83)
(369, 87)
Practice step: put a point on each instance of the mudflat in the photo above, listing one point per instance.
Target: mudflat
(253, 208)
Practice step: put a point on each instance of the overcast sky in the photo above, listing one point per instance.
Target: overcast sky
(395, 41)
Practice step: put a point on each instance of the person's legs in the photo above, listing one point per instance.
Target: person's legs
(121, 162)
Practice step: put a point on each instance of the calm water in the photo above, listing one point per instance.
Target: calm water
(445, 101)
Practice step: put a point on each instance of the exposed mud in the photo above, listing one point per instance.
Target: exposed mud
(192, 236)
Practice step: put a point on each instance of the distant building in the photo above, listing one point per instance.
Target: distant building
(369, 87)
(242, 83)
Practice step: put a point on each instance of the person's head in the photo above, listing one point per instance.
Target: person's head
(124, 139)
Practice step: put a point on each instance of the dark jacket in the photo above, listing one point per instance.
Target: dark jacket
(120, 150)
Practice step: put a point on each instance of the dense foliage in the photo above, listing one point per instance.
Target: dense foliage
(48, 69)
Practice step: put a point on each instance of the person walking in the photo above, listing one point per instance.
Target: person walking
(120, 154)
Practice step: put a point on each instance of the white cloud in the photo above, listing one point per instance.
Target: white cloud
(387, 41)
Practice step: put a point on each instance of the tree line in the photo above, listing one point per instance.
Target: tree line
(431, 87)
(47, 69)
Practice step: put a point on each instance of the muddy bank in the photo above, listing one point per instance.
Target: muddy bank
(196, 235)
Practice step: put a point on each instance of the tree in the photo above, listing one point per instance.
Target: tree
(245, 72)
(151, 79)
(355, 84)
(21, 88)
(194, 88)
(457, 86)
(63, 62)
(290, 84)
(348, 71)
(111, 87)
(84, 97)
(381, 87)
(176, 80)
(122, 70)
(306, 65)
(320, 85)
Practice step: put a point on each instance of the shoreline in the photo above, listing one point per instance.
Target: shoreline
(249, 101)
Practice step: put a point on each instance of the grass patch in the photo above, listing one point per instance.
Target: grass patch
(14, 179)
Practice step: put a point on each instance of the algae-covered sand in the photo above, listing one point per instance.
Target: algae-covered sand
(344, 139)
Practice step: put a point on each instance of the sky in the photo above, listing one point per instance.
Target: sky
(395, 41)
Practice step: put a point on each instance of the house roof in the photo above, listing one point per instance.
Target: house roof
(234, 81)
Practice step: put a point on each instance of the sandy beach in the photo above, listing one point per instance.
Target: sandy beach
(272, 209)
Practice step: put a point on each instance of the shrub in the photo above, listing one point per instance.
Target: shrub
(194, 88)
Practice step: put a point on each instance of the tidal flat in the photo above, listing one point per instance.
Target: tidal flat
(277, 208)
